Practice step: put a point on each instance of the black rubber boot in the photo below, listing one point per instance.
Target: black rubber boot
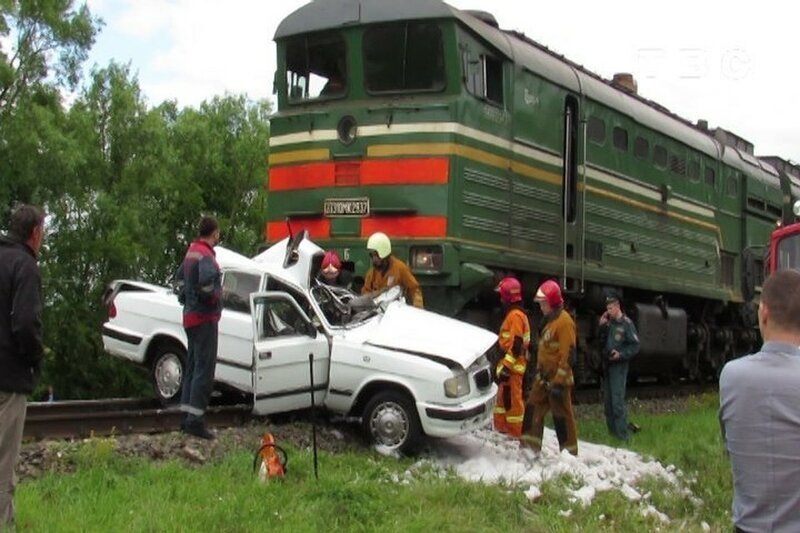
(197, 429)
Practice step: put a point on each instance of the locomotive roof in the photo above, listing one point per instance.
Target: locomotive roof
(325, 14)
(328, 14)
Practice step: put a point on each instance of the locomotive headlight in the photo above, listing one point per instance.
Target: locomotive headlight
(457, 386)
(427, 258)
(347, 130)
(796, 208)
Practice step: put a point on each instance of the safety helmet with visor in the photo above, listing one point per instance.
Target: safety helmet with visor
(380, 244)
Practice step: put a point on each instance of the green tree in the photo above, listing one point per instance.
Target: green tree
(42, 43)
(223, 150)
(127, 205)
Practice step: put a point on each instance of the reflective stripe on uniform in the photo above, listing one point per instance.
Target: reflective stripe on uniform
(519, 369)
(515, 419)
(510, 358)
(531, 439)
(505, 334)
(499, 410)
(191, 410)
(561, 372)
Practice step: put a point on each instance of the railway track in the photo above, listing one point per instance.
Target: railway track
(647, 392)
(86, 418)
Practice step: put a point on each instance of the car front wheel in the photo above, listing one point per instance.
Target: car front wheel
(391, 421)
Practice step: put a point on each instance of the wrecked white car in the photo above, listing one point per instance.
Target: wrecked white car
(402, 371)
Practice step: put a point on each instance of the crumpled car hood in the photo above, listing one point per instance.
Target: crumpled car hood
(404, 327)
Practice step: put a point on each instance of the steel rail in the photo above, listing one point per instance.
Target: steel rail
(646, 392)
(87, 418)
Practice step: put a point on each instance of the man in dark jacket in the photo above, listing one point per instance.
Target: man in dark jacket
(20, 340)
(201, 281)
(621, 344)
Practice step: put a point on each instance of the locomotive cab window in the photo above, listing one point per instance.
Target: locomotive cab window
(404, 57)
(316, 67)
(484, 78)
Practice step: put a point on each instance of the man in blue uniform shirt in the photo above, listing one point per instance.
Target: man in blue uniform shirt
(760, 415)
(621, 344)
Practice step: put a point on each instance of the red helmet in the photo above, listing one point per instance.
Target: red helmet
(331, 264)
(510, 290)
(550, 292)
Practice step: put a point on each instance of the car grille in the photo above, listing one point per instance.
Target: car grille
(483, 378)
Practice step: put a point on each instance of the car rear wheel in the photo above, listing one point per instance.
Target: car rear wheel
(167, 371)
(390, 420)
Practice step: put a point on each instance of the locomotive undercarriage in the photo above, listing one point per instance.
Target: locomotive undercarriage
(682, 338)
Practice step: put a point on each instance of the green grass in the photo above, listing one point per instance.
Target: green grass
(368, 492)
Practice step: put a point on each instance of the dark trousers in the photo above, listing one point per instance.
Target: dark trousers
(616, 377)
(200, 364)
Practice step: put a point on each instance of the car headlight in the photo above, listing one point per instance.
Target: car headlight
(457, 386)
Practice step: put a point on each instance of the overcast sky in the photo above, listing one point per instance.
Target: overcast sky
(732, 63)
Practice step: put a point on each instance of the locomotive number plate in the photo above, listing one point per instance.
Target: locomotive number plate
(346, 207)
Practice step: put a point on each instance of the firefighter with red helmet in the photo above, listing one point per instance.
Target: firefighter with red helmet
(513, 340)
(331, 272)
(552, 387)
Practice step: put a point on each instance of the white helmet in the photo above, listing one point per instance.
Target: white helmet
(381, 244)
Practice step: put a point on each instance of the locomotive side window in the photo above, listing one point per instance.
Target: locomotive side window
(660, 156)
(620, 139)
(732, 185)
(641, 148)
(316, 67)
(404, 57)
(693, 170)
(711, 177)
(596, 130)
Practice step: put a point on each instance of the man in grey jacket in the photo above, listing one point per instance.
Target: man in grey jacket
(20, 340)
(760, 414)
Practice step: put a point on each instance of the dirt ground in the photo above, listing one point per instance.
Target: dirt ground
(39, 457)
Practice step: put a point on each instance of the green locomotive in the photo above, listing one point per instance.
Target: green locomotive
(480, 153)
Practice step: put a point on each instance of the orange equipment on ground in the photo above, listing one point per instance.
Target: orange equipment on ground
(270, 460)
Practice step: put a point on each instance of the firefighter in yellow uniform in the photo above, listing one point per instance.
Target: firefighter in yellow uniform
(552, 387)
(513, 340)
(388, 271)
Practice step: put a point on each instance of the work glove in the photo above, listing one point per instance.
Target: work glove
(557, 393)
(503, 374)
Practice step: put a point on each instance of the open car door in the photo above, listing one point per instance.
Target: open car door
(284, 339)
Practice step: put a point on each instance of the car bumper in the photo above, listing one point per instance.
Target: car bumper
(448, 421)
(124, 344)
